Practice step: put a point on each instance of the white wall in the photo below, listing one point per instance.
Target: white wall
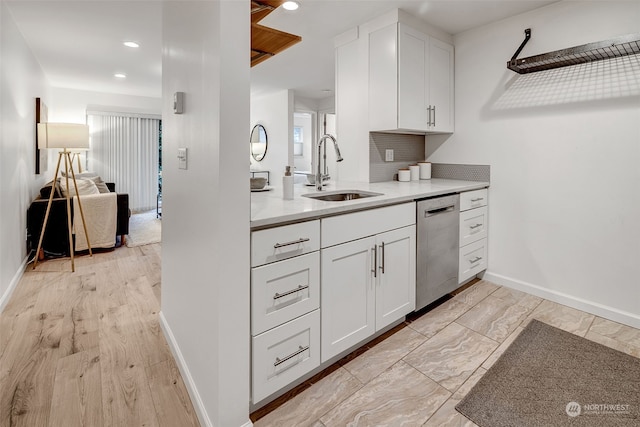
(352, 105)
(205, 218)
(564, 150)
(70, 105)
(21, 81)
(275, 112)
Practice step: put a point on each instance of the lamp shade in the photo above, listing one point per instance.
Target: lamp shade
(63, 135)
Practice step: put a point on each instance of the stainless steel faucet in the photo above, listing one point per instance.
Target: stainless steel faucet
(319, 175)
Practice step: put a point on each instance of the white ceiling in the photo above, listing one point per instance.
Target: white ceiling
(79, 43)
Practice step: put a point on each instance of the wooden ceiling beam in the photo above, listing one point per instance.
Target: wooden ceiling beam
(267, 42)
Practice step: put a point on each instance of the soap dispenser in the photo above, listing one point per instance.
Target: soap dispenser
(287, 184)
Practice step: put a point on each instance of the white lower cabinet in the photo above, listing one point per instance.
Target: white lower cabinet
(284, 290)
(285, 353)
(308, 306)
(396, 276)
(473, 234)
(473, 259)
(348, 295)
(367, 284)
(285, 301)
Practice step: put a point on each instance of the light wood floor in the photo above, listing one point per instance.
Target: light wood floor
(86, 348)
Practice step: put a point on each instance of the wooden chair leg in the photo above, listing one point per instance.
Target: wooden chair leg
(123, 239)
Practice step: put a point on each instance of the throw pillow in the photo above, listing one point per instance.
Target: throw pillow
(85, 187)
(46, 191)
(102, 186)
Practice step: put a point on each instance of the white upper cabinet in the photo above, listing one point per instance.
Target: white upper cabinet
(410, 81)
(440, 88)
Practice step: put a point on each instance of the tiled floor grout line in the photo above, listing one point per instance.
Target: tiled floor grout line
(590, 325)
(345, 398)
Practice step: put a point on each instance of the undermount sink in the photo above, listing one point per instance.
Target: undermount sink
(341, 196)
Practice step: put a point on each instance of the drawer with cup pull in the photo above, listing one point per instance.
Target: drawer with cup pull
(284, 290)
(287, 241)
(473, 225)
(473, 199)
(473, 259)
(284, 354)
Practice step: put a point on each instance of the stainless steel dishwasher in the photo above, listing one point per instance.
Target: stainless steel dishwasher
(438, 248)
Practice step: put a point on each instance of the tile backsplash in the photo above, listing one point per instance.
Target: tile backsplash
(407, 150)
(465, 172)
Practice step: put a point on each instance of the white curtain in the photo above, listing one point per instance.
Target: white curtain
(124, 150)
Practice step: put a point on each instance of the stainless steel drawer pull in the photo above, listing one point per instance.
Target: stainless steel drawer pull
(477, 199)
(292, 291)
(301, 349)
(294, 242)
(382, 263)
(476, 259)
(475, 226)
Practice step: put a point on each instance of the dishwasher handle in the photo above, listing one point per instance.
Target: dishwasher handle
(444, 209)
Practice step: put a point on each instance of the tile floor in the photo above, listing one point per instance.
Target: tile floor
(416, 375)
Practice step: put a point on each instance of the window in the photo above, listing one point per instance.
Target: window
(298, 139)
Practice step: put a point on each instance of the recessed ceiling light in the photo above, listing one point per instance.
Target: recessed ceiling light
(290, 5)
(131, 44)
(120, 75)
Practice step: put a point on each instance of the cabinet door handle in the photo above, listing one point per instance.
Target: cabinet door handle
(301, 349)
(477, 199)
(292, 291)
(473, 227)
(476, 259)
(382, 263)
(293, 242)
(434, 116)
(375, 260)
(428, 115)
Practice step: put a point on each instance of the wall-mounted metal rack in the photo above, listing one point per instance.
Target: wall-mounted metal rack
(607, 49)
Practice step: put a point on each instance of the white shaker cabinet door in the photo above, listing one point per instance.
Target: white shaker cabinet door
(348, 296)
(441, 89)
(396, 275)
(413, 94)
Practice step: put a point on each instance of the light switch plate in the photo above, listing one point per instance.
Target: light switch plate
(182, 158)
(388, 156)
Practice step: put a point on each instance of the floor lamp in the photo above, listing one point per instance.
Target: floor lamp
(75, 155)
(67, 136)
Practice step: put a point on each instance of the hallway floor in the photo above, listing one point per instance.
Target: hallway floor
(86, 348)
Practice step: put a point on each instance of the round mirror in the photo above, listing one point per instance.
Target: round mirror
(258, 142)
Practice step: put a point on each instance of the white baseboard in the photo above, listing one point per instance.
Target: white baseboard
(201, 412)
(203, 417)
(595, 308)
(14, 283)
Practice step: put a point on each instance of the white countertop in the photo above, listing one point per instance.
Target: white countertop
(268, 208)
